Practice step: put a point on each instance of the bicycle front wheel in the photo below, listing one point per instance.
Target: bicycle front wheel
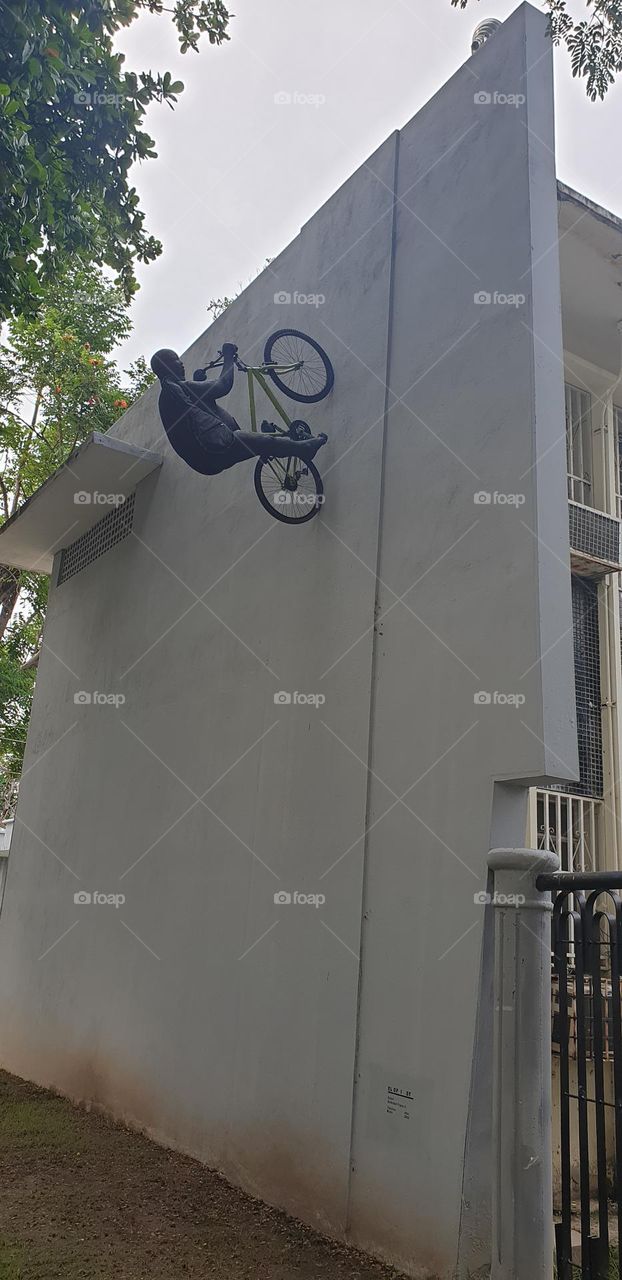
(304, 371)
(289, 488)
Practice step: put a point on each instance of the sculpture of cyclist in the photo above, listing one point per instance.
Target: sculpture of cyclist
(202, 433)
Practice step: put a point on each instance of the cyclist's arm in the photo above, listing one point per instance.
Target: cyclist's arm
(222, 385)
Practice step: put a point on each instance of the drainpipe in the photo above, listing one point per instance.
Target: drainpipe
(522, 1192)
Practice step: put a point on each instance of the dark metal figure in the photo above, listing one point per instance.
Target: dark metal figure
(207, 437)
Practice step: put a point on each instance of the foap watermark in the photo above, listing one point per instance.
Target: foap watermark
(485, 499)
(96, 899)
(285, 699)
(297, 99)
(84, 499)
(498, 699)
(482, 298)
(284, 899)
(484, 899)
(97, 98)
(284, 498)
(484, 99)
(96, 699)
(283, 298)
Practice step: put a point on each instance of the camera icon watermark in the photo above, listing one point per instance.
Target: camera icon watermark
(84, 698)
(484, 99)
(483, 498)
(83, 498)
(284, 298)
(284, 498)
(96, 899)
(285, 699)
(498, 699)
(297, 99)
(482, 298)
(483, 899)
(96, 98)
(282, 899)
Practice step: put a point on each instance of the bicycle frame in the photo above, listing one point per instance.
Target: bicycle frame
(280, 468)
(256, 373)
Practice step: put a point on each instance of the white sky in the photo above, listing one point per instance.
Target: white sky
(237, 174)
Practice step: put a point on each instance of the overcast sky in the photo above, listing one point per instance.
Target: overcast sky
(238, 172)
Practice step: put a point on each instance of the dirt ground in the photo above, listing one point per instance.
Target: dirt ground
(85, 1199)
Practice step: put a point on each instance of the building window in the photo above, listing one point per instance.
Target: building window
(579, 444)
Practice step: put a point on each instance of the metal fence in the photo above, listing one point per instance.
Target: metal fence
(587, 1039)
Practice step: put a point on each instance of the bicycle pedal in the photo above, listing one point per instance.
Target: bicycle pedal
(300, 430)
(268, 428)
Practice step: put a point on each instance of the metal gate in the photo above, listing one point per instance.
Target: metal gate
(587, 1040)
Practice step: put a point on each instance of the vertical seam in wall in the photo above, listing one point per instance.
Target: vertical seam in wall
(372, 717)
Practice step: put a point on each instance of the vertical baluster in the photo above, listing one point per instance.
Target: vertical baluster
(593, 922)
(615, 934)
(584, 1136)
(561, 944)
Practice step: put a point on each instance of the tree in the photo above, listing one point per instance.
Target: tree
(57, 384)
(70, 129)
(594, 43)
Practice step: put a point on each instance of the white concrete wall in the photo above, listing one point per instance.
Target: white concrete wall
(160, 1010)
(479, 406)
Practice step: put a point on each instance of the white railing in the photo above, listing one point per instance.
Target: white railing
(567, 825)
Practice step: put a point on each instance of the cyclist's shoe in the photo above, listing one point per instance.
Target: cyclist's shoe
(268, 428)
(308, 448)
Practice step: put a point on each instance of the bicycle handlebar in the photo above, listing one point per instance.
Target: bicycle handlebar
(217, 363)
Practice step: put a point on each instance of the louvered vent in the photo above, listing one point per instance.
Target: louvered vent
(98, 540)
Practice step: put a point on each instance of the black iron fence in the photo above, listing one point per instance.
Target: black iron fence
(587, 1058)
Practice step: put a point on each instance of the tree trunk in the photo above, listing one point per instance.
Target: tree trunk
(9, 591)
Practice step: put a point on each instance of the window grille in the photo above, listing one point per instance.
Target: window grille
(594, 534)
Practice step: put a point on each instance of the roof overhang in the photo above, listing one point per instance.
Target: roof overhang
(590, 253)
(100, 473)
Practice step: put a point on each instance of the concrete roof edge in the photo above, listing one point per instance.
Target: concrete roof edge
(566, 193)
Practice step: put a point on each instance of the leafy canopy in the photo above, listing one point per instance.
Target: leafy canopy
(58, 383)
(70, 128)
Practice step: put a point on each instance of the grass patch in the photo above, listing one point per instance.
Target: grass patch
(11, 1259)
(38, 1123)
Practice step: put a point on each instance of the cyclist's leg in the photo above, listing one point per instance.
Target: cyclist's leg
(268, 446)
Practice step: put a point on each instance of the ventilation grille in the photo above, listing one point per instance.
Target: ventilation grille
(594, 534)
(97, 541)
(587, 682)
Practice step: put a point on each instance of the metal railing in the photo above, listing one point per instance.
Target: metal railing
(567, 825)
(587, 1029)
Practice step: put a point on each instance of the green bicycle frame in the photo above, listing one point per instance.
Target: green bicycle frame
(282, 470)
(258, 375)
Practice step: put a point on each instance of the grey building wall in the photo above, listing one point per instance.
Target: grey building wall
(238, 1029)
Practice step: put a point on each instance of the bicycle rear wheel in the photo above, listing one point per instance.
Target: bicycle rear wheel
(289, 488)
(315, 376)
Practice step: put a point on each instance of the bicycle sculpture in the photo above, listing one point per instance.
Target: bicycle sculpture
(209, 439)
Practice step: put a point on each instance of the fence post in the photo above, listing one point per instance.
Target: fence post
(522, 1191)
